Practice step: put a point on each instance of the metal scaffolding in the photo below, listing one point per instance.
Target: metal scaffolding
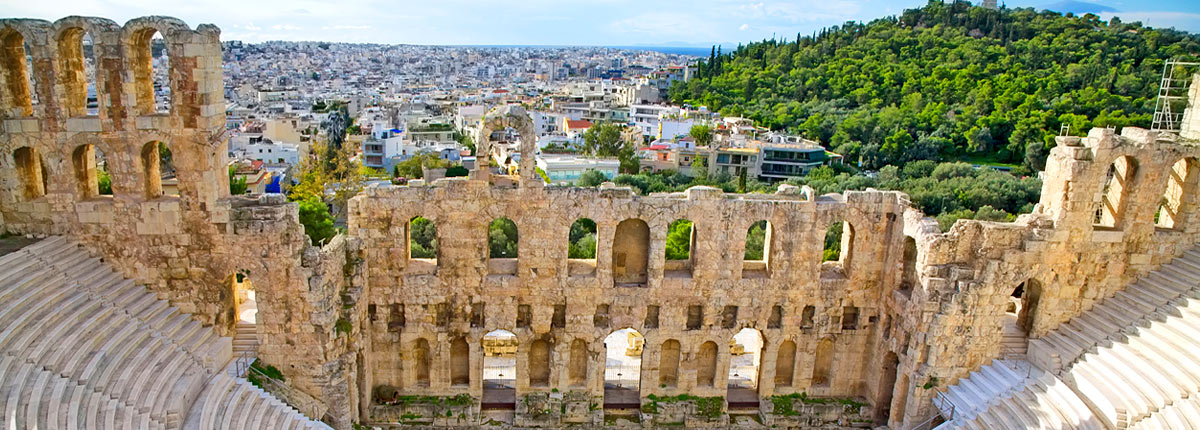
(1172, 95)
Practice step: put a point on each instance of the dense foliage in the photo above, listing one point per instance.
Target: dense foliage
(502, 239)
(945, 81)
(237, 184)
(317, 221)
(756, 239)
(411, 168)
(679, 240)
(422, 238)
(582, 239)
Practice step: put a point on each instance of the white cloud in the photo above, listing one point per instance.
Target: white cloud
(346, 27)
(744, 27)
(286, 27)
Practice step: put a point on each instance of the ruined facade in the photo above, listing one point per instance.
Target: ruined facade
(902, 312)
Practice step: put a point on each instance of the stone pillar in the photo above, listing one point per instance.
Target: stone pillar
(1190, 127)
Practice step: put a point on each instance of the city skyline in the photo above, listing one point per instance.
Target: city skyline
(542, 22)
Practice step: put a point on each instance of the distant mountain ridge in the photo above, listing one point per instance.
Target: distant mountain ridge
(1078, 7)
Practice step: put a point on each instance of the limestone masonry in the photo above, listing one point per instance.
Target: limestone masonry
(369, 335)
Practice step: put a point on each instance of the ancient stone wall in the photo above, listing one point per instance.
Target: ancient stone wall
(902, 313)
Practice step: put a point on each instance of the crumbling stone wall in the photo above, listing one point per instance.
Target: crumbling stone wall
(344, 319)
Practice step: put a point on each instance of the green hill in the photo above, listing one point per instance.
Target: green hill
(945, 82)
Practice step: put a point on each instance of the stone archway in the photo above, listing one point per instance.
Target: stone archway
(623, 369)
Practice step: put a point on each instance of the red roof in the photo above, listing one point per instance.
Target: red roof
(573, 124)
(499, 91)
(256, 164)
(659, 147)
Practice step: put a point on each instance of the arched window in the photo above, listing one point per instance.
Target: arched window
(823, 363)
(422, 239)
(581, 248)
(421, 362)
(18, 95)
(1179, 188)
(887, 386)
(579, 363)
(1112, 197)
(908, 278)
(631, 253)
(77, 64)
(706, 364)
(31, 171)
(745, 350)
(91, 174)
(681, 239)
(668, 364)
(582, 239)
(460, 362)
(758, 250)
(785, 364)
(839, 243)
(150, 64)
(539, 363)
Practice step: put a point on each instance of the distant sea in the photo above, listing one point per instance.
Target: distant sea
(677, 50)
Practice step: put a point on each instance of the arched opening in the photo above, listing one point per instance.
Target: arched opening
(623, 369)
(631, 253)
(745, 357)
(18, 95)
(242, 312)
(32, 172)
(460, 362)
(499, 370)
(900, 403)
(1179, 188)
(421, 363)
(502, 246)
(581, 248)
(785, 364)
(1022, 311)
(706, 364)
(908, 277)
(1119, 179)
(150, 64)
(539, 363)
(755, 261)
(422, 245)
(91, 172)
(822, 374)
(577, 374)
(668, 364)
(839, 244)
(681, 240)
(887, 387)
(77, 64)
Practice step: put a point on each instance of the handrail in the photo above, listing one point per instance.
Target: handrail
(246, 359)
(939, 401)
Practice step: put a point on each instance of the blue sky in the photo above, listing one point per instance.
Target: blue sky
(543, 22)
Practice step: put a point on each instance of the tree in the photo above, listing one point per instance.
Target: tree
(317, 221)
(237, 184)
(756, 241)
(702, 134)
(412, 168)
(422, 238)
(679, 240)
(603, 140)
(502, 239)
(104, 182)
(591, 178)
(1035, 155)
(582, 239)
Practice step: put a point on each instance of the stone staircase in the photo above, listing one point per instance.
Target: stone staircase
(244, 339)
(83, 348)
(1130, 362)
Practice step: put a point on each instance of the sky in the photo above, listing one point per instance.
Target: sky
(547, 22)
